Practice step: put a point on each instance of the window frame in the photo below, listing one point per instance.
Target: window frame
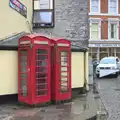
(92, 21)
(99, 4)
(109, 29)
(113, 30)
(40, 25)
(116, 7)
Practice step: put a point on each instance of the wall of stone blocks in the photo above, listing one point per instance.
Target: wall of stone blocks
(71, 22)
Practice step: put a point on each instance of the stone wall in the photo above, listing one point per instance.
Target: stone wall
(71, 22)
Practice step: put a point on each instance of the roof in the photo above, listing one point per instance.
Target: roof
(12, 41)
(37, 35)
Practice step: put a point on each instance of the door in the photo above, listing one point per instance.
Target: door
(64, 69)
(23, 73)
(111, 52)
(42, 73)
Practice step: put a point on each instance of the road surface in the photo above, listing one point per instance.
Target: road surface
(109, 91)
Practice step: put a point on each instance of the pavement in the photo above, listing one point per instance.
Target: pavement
(83, 107)
(109, 91)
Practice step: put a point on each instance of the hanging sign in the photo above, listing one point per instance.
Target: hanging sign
(19, 7)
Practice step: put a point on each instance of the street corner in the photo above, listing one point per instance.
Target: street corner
(79, 109)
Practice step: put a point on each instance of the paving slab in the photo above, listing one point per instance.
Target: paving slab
(82, 107)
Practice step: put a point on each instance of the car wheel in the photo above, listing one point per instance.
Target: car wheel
(116, 75)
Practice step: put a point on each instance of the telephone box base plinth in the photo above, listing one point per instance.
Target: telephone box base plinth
(34, 105)
(57, 102)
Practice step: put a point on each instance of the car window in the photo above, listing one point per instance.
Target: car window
(108, 61)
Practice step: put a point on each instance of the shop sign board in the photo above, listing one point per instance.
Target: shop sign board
(104, 45)
(19, 7)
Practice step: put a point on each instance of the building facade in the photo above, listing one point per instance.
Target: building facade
(13, 18)
(104, 27)
(15, 21)
(67, 19)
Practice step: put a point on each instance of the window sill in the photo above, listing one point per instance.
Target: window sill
(113, 40)
(105, 40)
(39, 25)
(104, 14)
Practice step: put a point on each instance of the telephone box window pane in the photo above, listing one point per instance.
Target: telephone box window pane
(42, 57)
(23, 69)
(64, 79)
(40, 51)
(64, 84)
(22, 76)
(24, 88)
(41, 69)
(64, 53)
(41, 86)
(23, 72)
(23, 64)
(64, 74)
(63, 63)
(63, 68)
(64, 59)
(23, 52)
(39, 93)
(40, 76)
(42, 63)
(23, 58)
(41, 72)
(64, 88)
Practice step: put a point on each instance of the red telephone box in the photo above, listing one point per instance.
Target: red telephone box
(34, 66)
(61, 79)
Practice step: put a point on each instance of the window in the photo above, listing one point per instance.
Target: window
(113, 28)
(43, 15)
(95, 6)
(113, 6)
(95, 31)
(107, 61)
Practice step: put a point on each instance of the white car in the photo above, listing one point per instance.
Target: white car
(109, 63)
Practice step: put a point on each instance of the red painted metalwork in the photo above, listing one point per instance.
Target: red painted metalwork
(61, 79)
(34, 69)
